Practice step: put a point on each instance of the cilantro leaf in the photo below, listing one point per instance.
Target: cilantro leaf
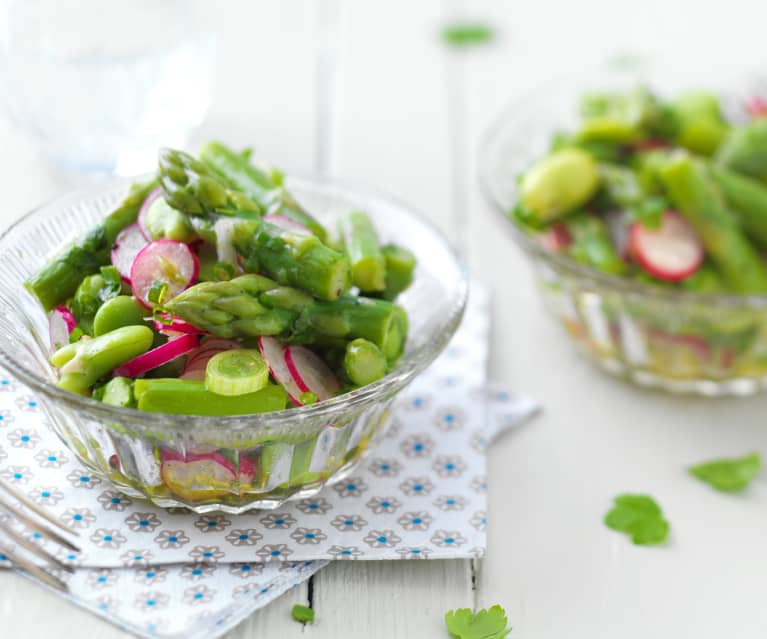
(729, 475)
(490, 623)
(640, 517)
(466, 34)
(304, 614)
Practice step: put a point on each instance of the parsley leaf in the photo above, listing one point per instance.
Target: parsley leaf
(304, 614)
(640, 517)
(729, 475)
(485, 624)
(465, 34)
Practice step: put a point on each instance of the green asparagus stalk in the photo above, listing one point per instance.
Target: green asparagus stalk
(748, 199)
(83, 363)
(400, 265)
(191, 187)
(187, 397)
(745, 150)
(294, 259)
(364, 363)
(592, 245)
(257, 185)
(700, 126)
(58, 280)
(361, 242)
(118, 391)
(694, 196)
(252, 305)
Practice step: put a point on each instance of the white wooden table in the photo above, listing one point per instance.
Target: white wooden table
(364, 90)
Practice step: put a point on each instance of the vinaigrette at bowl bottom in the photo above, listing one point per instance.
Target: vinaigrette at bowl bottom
(232, 464)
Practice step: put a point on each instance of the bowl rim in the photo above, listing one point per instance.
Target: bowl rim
(504, 119)
(402, 375)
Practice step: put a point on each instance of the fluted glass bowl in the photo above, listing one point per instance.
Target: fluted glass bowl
(673, 340)
(231, 464)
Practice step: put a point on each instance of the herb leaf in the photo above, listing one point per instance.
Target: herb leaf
(640, 517)
(466, 34)
(304, 614)
(729, 475)
(490, 623)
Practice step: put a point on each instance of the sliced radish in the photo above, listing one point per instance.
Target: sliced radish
(556, 238)
(651, 144)
(287, 224)
(61, 324)
(757, 107)
(175, 325)
(127, 246)
(157, 356)
(143, 211)
(310, 373)
(671, 253)
(165, 261)
(273, 352)
(203, 475)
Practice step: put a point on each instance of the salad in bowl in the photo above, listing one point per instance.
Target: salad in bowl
(645, 216)
(213, 343)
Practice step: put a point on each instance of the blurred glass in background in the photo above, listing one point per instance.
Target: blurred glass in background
(101, 84)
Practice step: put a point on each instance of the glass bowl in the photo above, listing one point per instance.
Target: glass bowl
(673, 340)
(230, 464)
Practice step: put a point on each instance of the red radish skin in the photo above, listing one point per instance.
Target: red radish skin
(61, 324)
(287, 224)
(128, 244)
(142, 214)
(176, 325)
(204, 475)
(756, 107)
(167, 261)
(671, 253)
(273, 352)
(310, 373)
(556, 238)
(157, 356)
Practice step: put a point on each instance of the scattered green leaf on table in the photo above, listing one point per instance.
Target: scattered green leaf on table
(490, 623)
(466, 34)
(729, 475)
(640, 517)
(304, 614)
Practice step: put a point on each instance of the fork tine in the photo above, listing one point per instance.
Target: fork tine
(22, 563)
(44, 530)
(38, 551)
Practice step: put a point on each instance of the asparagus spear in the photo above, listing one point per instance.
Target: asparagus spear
(698, 120)
(187, 397)
(191, 187)
(257, 185)
(745, 150)
(364, 362)
(748, 199)
(83, 363)
(689, 187)
(252, 305)
(118, 391)
(592, 245)
(361, 242)
(302, 261)
(400, 264)
(59, 279)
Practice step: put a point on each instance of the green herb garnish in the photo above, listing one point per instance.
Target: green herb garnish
(157, 292)
(304, 614)
(640, 517)
(466, 34)
(76, 334)
(223, 271)
(729, 475)
(490, 623)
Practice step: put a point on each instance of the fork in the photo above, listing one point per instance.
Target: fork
(14, 505)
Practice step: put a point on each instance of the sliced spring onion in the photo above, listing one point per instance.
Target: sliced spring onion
(236, 372)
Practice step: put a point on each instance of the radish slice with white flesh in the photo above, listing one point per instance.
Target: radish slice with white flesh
(287, 224)
(127, 246)
(556, 238)
(671, 253)
(310, 373)
(142, 214)
(172, 263)
(273, 352)
(157, 357)
(61, 325)
(171, 324)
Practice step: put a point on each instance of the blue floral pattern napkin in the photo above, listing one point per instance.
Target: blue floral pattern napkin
(420, 494)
